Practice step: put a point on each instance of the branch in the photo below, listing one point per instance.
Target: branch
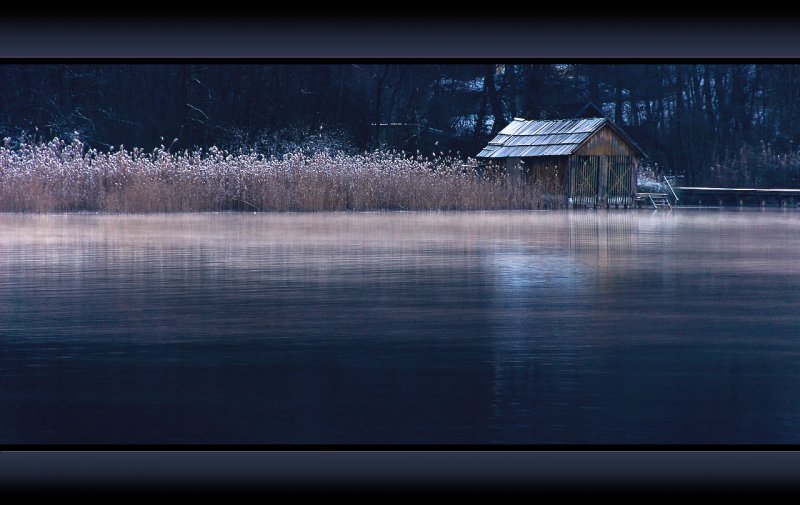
(198, 110)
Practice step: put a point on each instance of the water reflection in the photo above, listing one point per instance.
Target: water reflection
(546, 310)
(600, 327)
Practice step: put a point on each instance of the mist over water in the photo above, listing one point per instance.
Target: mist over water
(471, 327)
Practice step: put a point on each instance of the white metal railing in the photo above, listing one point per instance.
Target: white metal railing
(669, 185)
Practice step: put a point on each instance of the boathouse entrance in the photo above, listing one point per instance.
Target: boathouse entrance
(605, 180)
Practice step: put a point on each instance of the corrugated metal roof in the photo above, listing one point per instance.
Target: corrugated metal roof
(545, 140)
(531, 151)
(486, 152)
(522, 138)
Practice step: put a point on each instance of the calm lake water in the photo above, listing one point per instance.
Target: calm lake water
(509, 327)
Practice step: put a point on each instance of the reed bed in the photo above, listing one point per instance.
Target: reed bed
(758, 167)
(60, 176)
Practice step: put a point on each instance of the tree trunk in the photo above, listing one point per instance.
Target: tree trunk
(378, 92)
(494, 99)
(481, 120)
(618, 97)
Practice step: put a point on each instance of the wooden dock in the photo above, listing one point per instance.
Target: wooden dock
(690, 195)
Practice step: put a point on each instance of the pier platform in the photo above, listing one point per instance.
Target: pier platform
(693, 195)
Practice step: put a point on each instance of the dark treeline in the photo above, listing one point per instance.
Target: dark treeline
(729, 123)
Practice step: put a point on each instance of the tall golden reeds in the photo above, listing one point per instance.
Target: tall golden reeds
(60, 176)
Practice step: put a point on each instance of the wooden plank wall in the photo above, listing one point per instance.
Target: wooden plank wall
(606, 142)
(551, 171)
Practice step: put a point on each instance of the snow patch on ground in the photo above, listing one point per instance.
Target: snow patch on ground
(648, 183)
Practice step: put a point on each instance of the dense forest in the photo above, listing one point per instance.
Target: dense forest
(722, 123)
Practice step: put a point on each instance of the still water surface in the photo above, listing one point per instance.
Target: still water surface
(513, 327)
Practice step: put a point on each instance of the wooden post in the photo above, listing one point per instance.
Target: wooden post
(602, 179)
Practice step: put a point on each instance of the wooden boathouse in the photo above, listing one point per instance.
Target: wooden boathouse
(590, 161)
